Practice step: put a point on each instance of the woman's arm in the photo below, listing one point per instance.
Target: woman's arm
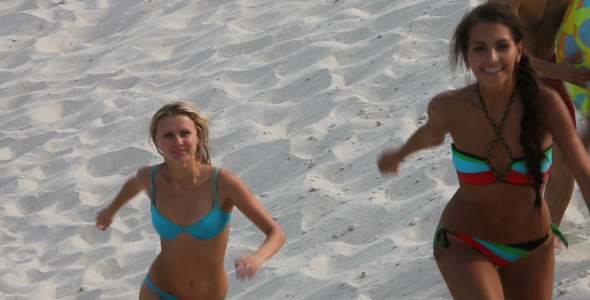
(240, 195)
(564, 70)
(431, 134)
(132, 187)
(565, 135)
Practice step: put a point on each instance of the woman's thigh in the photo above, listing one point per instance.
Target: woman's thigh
(467, 272)
(531, 276)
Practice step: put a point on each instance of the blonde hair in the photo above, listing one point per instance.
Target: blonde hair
(201, 121)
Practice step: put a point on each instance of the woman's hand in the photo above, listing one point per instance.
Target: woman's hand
(236, 191)
(104, 218)
(247, 266)
(132, 187)
(389, 160)
(566, 71)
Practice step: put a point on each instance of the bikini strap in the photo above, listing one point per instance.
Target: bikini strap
(498, 137)
(559, 234)
(215, 185)
(152, 184)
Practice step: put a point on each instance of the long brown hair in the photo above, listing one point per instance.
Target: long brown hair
(201, 121)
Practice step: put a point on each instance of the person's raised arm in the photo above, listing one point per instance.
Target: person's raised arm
(431, 134)
(132, 187)
(236, 191)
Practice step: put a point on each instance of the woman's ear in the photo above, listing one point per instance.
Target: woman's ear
(519, 47)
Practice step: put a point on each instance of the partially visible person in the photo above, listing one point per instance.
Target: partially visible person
(191, 207)
(541, 20)
(494, 239)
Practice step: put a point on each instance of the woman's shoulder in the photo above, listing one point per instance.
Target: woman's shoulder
(452, 97)
(449, 101)
(227, 180)
(143, 176)
(548, 97)
(146, 170)
(145, 173)
(222, 174)
(546, 92)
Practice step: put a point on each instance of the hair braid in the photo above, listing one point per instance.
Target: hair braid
(531, 124)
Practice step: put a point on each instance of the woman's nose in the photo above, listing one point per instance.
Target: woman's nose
(493, 55)
(177, 139)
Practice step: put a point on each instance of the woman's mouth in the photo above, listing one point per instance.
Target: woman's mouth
(179, 152)
(492, 71)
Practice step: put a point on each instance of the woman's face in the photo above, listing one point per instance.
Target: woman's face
(492, 53)
(176, 137)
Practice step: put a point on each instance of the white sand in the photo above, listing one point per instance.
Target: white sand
(303, 94)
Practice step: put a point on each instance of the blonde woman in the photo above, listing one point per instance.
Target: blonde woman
(191, 207)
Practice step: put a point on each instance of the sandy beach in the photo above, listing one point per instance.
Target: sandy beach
(303, 95)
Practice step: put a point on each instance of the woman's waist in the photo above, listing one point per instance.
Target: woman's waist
(191, 262)
(497, 195)
(507, 217)
(189, 277)
(189, 252)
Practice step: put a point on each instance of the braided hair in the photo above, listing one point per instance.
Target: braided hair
(526, 83)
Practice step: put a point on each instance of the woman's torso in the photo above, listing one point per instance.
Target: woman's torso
(188, 267)
(497, 212)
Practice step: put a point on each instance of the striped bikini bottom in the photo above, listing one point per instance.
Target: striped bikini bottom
(499, 254)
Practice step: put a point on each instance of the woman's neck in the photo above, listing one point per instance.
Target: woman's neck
(185, 173)
(496, 96)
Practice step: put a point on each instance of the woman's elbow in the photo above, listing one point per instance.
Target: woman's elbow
(281, 237)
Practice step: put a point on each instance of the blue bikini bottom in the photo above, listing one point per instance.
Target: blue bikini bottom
(156, 290)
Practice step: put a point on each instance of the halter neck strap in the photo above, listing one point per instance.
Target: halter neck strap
(497, 135)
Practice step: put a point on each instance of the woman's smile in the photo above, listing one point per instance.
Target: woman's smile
(492, 71)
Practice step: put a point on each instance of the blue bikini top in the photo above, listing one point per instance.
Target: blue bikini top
(206, 228)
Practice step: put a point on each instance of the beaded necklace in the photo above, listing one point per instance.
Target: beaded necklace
(497, 135)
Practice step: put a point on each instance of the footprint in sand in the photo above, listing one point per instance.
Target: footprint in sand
(93, 236)
(111, 268)
(318, 266)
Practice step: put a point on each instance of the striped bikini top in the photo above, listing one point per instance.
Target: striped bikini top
(475, 170)
(206, 228)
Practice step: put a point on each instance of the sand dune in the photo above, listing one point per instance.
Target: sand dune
(303, 96)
